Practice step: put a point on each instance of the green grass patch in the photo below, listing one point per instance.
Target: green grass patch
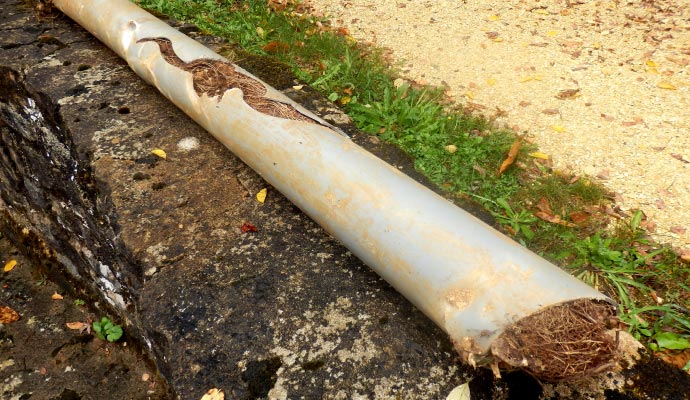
(560, 217)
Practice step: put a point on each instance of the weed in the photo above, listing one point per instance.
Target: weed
(517, 222)
(106, 330)
(79, 302)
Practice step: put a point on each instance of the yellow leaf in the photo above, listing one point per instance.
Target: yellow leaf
(652, 64)
(666, 85)
(160, 153)
(551, 33)
(558, 128)
(542, 12)
(451, 148)
(498, 39)
(261, 196)
(10, 265)
(261, 32)
(512, 155)
(493, 18)
(597, 45)
(469, 95)
(652, 70)
(537, 154)
(491, 81)
(56, 296)
(213, 394)
(525, 79)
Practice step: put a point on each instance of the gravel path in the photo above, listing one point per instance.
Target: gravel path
(603, 87)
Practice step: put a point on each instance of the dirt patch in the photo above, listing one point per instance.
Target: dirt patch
(41, 358)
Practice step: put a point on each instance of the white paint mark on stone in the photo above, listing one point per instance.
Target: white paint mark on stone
(187, 144)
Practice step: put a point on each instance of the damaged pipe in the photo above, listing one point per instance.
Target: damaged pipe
(502, 305)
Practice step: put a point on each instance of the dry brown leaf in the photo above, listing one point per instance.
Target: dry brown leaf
(512, 155)
(524, 103)
(679, 157)
(678, 229)
(75, 325)
(547, 215)
(568, 94)
(607, 117)
(550, 111)
(56, 296)
(8, 315)
(635, 121)
(579, 216)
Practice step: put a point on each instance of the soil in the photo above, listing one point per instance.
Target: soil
(603, 87)
(42, 358)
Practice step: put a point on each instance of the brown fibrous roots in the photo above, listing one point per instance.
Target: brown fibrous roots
(568, 340)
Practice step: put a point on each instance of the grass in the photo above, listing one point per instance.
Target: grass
(564, 218)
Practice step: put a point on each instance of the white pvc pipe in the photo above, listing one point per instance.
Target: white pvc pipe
(471, 280)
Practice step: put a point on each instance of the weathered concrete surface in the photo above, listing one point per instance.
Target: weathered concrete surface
(284, 312)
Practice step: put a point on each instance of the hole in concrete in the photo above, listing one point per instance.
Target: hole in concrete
(261, 376)
(77, 90)
(67, 63)
(103, 105)
(68, 394)
(83, 67)
(123, 110)
(140, 176)
(158, 185)
(312, 365)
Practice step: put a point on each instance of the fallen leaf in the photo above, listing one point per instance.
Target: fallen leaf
(160, 153)
(491, 81)
(56, 296)
(544, 212)
(494, 18)
(679, 157)
(10, 265)
(537, 154)
(492, 35)
(524, 103)
(213, 394)
(261, 196)
(551, 33)
(8, 315)
(276, 47)
(660, 204)
(558, 128)
(685, 254)
(145, 377)
(541, 11)
(607, 117)
(604, 174)
(512, 155)
(651, 63)
(568, 94)
(635, 121)
(666, 85)
(43, 370)
(550, 111)
(75, 325)
(247, 227)
(451, 148)
(678, 229)
(578, 216)
(461, 392)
